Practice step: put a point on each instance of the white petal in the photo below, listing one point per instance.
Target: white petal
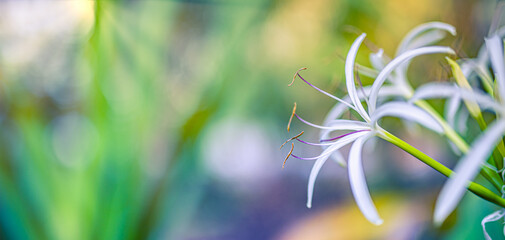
(495, 49)
(336, 112)
(451, 109)
(495, 216)
(417, 31)
(430, 37)
(343, 124)
(379, 81)
(338, 158)
(482, 56)
(378, 60)
(426, 39)
(366, 71)
(438, 90)
(358, 183)
(466, 170)
(339, 108)
(339, 124)
(322, 159)
(408, 112)
(349, 76)
(461, 125)
(435, 90)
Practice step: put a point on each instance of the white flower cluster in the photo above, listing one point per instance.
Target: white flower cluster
(392, 95)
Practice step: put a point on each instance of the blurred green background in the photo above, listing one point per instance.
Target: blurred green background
(162, 119)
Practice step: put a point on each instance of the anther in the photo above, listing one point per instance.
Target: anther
(296, 74)
(295, 137)
(289, 154)
(292, 114)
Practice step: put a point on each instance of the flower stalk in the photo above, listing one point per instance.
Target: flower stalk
(473, 187)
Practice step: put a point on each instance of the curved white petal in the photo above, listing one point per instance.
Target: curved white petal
(335, 113)
(451, 109)
(438, 90)
(339, 109)
(366, 71)
(322, 159)
(349, 76)
(343, 124)
(495, 48)
(435, 90)
(377, 59)
(482, 56)
(358, 183)
(426, 39)
(417, 31)
(339, 124)
(466, 170)
(495, 216)
(408, 112)
(461, 125)
(338, 158)
(379, 81)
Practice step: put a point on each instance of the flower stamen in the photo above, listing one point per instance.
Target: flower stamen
(318, 89)
(295, 137)
(289, 154)
(291, 118)
(304, 158)
(294, 77)
(343, 135)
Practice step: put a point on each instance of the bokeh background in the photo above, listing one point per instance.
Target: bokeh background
(163, 119)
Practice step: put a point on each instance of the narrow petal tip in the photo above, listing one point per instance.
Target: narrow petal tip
(378, 222)
(439, 218)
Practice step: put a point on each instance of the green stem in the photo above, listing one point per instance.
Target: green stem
(448, 130)
(460, 143)
(475, 188)
(491, 176)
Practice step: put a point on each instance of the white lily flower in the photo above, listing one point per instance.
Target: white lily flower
(468, 167)
(422, 35)
(361, 131)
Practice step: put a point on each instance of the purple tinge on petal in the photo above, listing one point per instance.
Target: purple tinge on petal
(312, 144)
(307, 122)
(305, 158)
(343, 135)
